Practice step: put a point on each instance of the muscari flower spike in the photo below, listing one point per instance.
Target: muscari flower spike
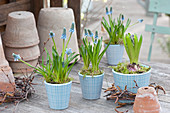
(140, 20)
(110, 10)
(51, 34)
(16, 57)
(95, 41)
(123, 18)
(96, 35)
(72, 28)
(64, 34)
(68, 51)
(90, 33)
(107, 11)
(85, 34)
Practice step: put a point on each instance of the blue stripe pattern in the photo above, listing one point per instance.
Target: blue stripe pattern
(122, 80)
(91, 86)
(58, 95)
(114, 54)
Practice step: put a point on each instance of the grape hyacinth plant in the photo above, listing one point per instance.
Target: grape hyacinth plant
(56, 70)
(132, 47)
(116, 30)
(91, 53)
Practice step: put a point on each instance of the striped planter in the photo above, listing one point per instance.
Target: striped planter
(58, 95)
(91, 86)
(122, 80)
(114, 54)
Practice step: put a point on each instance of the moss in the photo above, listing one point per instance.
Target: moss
(127, 68)
(90, 72)
(120, 42)
(66, 81)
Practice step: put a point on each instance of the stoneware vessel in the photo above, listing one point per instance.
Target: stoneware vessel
(91, 86)
(55, 19)
(20, 30)
(146, 101)
(114, 54)
(7, 82)
(58, 95)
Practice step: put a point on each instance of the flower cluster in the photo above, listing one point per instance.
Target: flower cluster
(56, 69)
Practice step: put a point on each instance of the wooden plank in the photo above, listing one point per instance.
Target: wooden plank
(36, 5)
(2, 28)
(56, 3)
(3, 2)
(157, 29)
(160, 6)
(10, 7)
(75, 5)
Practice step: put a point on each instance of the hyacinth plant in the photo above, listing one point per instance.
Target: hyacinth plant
(92, 53)
(116, 30)
(56, 70)
(132, 46)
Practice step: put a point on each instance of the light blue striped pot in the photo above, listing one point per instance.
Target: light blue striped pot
(58, 95)
(114, 54)
(122, 80)
(91, 86)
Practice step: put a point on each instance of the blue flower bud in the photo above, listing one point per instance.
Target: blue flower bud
(51, 34)
(95, 41)
(72, 28)
(110, 10)
(16, 57)
(107, 11)
(64, 34)
(85, 34)
(140, 20)
(63, 64)
(68, 51)
(96, 35)
(123, 18)
(90, 33)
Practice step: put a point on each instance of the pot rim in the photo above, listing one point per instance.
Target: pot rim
(114, 44)
(91, 76)
(132, 74)
(57, 84)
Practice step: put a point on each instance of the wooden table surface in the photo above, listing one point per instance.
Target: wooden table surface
(38, 103)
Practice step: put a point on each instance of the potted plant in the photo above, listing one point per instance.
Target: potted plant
(56, 72)
(126, 73)
(91, 77)
(116, 31)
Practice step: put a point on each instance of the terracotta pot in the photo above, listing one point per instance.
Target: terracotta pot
(146, 101)
(20, 30)
(27, 54)
(55, 19)
(7, 82)
(19, 67)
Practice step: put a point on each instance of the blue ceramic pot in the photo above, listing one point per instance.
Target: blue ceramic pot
(91, 86)
(122, 80)
(58, 95)
(114, 54)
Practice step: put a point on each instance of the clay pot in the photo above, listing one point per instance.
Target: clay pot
(27, 54)
(20, 30)
(19, 67)
(7, 82)
(55, 19)
(21, 37)
(146, 101)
